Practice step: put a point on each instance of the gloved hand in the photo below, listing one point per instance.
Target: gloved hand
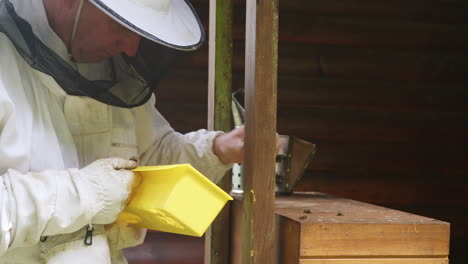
(109, 183)
(113, 181)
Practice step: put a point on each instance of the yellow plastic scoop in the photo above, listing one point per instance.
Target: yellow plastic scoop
(174, 198)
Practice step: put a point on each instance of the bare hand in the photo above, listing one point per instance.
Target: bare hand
(229, 147)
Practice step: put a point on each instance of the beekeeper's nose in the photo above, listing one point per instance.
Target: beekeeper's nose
(129, 44)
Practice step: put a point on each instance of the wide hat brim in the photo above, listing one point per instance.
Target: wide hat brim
(179, 28)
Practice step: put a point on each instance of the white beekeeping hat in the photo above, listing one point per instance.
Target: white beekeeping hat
(173, 23)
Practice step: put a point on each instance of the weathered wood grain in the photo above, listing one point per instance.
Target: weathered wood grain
(260, 127)
(432, 11)
(341, 125)
(446, 66)
(189, 85)
(377, 261)
(219, 117)
(332, 227)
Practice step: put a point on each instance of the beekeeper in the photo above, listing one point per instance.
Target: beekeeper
(73, 111)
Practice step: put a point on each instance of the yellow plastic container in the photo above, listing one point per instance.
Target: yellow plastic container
(174, 198)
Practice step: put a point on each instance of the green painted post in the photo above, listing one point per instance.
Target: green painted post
(217, 239)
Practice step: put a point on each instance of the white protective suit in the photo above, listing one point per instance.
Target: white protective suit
(44, 132)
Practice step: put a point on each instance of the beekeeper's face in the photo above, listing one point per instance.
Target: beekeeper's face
(99, 37)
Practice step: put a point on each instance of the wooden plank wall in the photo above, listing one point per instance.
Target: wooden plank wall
(382, 88)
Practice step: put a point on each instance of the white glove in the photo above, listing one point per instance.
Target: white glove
(113, 181)
(55, 202)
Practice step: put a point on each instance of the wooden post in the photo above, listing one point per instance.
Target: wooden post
(261, 55)
(219, 115)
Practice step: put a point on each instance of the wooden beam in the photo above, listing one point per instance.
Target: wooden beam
(261, 47)
(377, 261)
(219, 115)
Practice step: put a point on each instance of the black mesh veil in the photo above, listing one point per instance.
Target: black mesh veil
(127, 87)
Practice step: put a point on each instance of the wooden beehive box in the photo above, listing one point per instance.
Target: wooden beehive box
(315, 228)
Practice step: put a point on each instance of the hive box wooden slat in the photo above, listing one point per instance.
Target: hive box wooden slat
(377, 261)
(315, 228)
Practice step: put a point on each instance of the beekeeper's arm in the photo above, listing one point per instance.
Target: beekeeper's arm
(161, 145)
(56, 202)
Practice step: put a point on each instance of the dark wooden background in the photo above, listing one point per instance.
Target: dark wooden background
(380, 86)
